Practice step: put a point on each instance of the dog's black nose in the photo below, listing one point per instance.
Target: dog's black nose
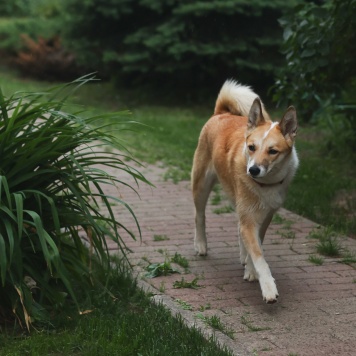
(254, 171)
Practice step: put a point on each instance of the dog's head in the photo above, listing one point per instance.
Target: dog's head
(268, 143)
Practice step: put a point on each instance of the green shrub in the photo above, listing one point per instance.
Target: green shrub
(14, 8)
(24, 21)
(46, 59)
(181, 44)
(11, 30)
(51, 191)
(319, 42)
(20, 8)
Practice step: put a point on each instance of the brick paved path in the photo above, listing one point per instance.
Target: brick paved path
(316, 311)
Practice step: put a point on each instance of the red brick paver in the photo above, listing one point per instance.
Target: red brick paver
(316, 311)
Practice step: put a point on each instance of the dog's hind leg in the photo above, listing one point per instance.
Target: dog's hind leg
(250, 273)
(243, 252)
(203, 181)
(264, 225)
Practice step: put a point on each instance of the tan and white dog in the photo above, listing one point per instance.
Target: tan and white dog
(254, 159)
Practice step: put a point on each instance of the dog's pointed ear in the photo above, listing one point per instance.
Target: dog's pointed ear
(289, 124)
(255, 116)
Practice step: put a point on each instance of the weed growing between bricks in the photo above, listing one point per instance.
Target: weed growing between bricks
(317, 260)
(329, 247)
(285, 231)
(160, 237)
(245, 320)
(349, 257)
(329, 244)
(185, 284)
(215, 322)
(160, 269)
(184, 305)
(180, 260)
(288, 234)
(207, 306)
(165, 268)
(280, 220)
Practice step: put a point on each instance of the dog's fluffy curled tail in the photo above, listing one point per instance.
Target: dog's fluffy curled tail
(236, 99)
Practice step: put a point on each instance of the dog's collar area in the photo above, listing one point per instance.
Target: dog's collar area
(267, 184)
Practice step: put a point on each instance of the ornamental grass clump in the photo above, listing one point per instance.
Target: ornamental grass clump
(52, 173)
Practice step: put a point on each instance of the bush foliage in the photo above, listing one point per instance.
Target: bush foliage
(181, 43)
(11, 30)
(46, 59)
(51, 194)
(318, 41)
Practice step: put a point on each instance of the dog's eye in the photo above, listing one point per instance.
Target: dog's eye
(272, 151)
(252, 148)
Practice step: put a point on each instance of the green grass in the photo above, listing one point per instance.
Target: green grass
(216, 196)
(329, 241)
(317, 260)
(329, 247)
(280, 220)
(349, 257)
(160, 238)
(215, 322)
(124, 322)
(287, 234)
(322, 233)
(168, 138)
(180, 260)
(320, 180)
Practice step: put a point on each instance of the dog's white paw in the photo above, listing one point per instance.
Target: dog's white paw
(250, 273)
(243, 258)
(269, 291)
(201, 248)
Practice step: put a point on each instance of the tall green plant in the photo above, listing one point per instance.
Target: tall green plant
(319, 42)
(52, 172)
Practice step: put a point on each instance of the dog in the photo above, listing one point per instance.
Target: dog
(254, 159)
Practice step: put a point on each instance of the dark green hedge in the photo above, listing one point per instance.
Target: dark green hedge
(186, 44)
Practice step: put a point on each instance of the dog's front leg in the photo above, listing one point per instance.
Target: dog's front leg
(243, 252)
(256, 265)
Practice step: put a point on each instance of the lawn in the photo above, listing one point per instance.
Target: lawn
(121, 321)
